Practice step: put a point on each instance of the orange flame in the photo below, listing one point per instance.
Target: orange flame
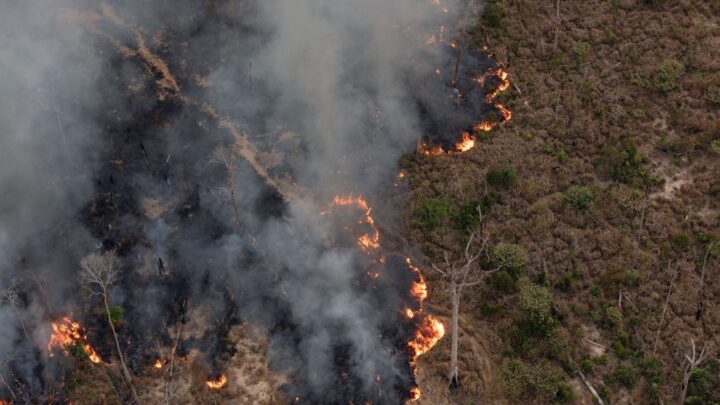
(69, 333)
(430, 332)
(217, 383)
(467, 143)
(431, 150)
(414, 394)
(367, 241)
(158, 364)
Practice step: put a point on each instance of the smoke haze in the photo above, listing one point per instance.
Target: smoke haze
(201, 141)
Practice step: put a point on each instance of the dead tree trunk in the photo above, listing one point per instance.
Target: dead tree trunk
(101, 272)
(459, 276)
(665, 307)
(711, 248)
(126, 373)
(454, 332)
(227, 157)
(12, 297)
(694, 360)
(557, 24)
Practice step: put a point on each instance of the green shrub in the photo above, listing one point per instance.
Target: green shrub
(542, 380)
(667, 75)
(715, 146)
(562, 156)
(681, 241)
(621, 344)
(622, 162)
(712, 94)
(702, 387)
(652, 370)
(502, 178)
(580, 198)
(80, 352)
(613, 316)
(431, 213)
(626, 376)
(535, 305)
(116, 315)
(581, 51)
(511, 257)
(556, 60)
(564, 284)
(502, 282)
(610, 36)
(641, 80)
(638, 113)
(467, 217)
(492, 15)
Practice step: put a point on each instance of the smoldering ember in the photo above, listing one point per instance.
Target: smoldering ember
(199, 197)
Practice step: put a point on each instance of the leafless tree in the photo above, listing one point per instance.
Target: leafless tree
(12, 297)
(7, 386)
(228, 158)
(665, 307)
(100, 272)
(694, 359)
(460, 274)
(712, 250)
(557, 24)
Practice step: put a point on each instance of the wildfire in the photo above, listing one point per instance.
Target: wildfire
(428, 150)
(488, 79)
(467, 143)
(414, 393)
(430, 331)
(68, 333)
(367, 241)
(158, 364)
(217, 383)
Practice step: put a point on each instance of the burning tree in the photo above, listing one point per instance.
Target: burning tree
(459, 275)
(100, 272)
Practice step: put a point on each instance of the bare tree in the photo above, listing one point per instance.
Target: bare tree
(712, 250)
(694, 359)
(557, 24)
(459, 275)
(12, 297)
(100, 272)
(665, 307)
(228, 158)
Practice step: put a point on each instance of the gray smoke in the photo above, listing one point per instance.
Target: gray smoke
(92, 157)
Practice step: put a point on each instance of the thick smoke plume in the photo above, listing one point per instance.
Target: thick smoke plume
(203, 142)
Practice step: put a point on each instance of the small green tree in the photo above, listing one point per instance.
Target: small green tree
(535, 305)
(117, 314)
(502, 178)
(431, 213)
(580, 198)
(541, 380)
(511, 257)
(668, 75)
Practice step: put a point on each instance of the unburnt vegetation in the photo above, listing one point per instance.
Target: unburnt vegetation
(601, 201)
